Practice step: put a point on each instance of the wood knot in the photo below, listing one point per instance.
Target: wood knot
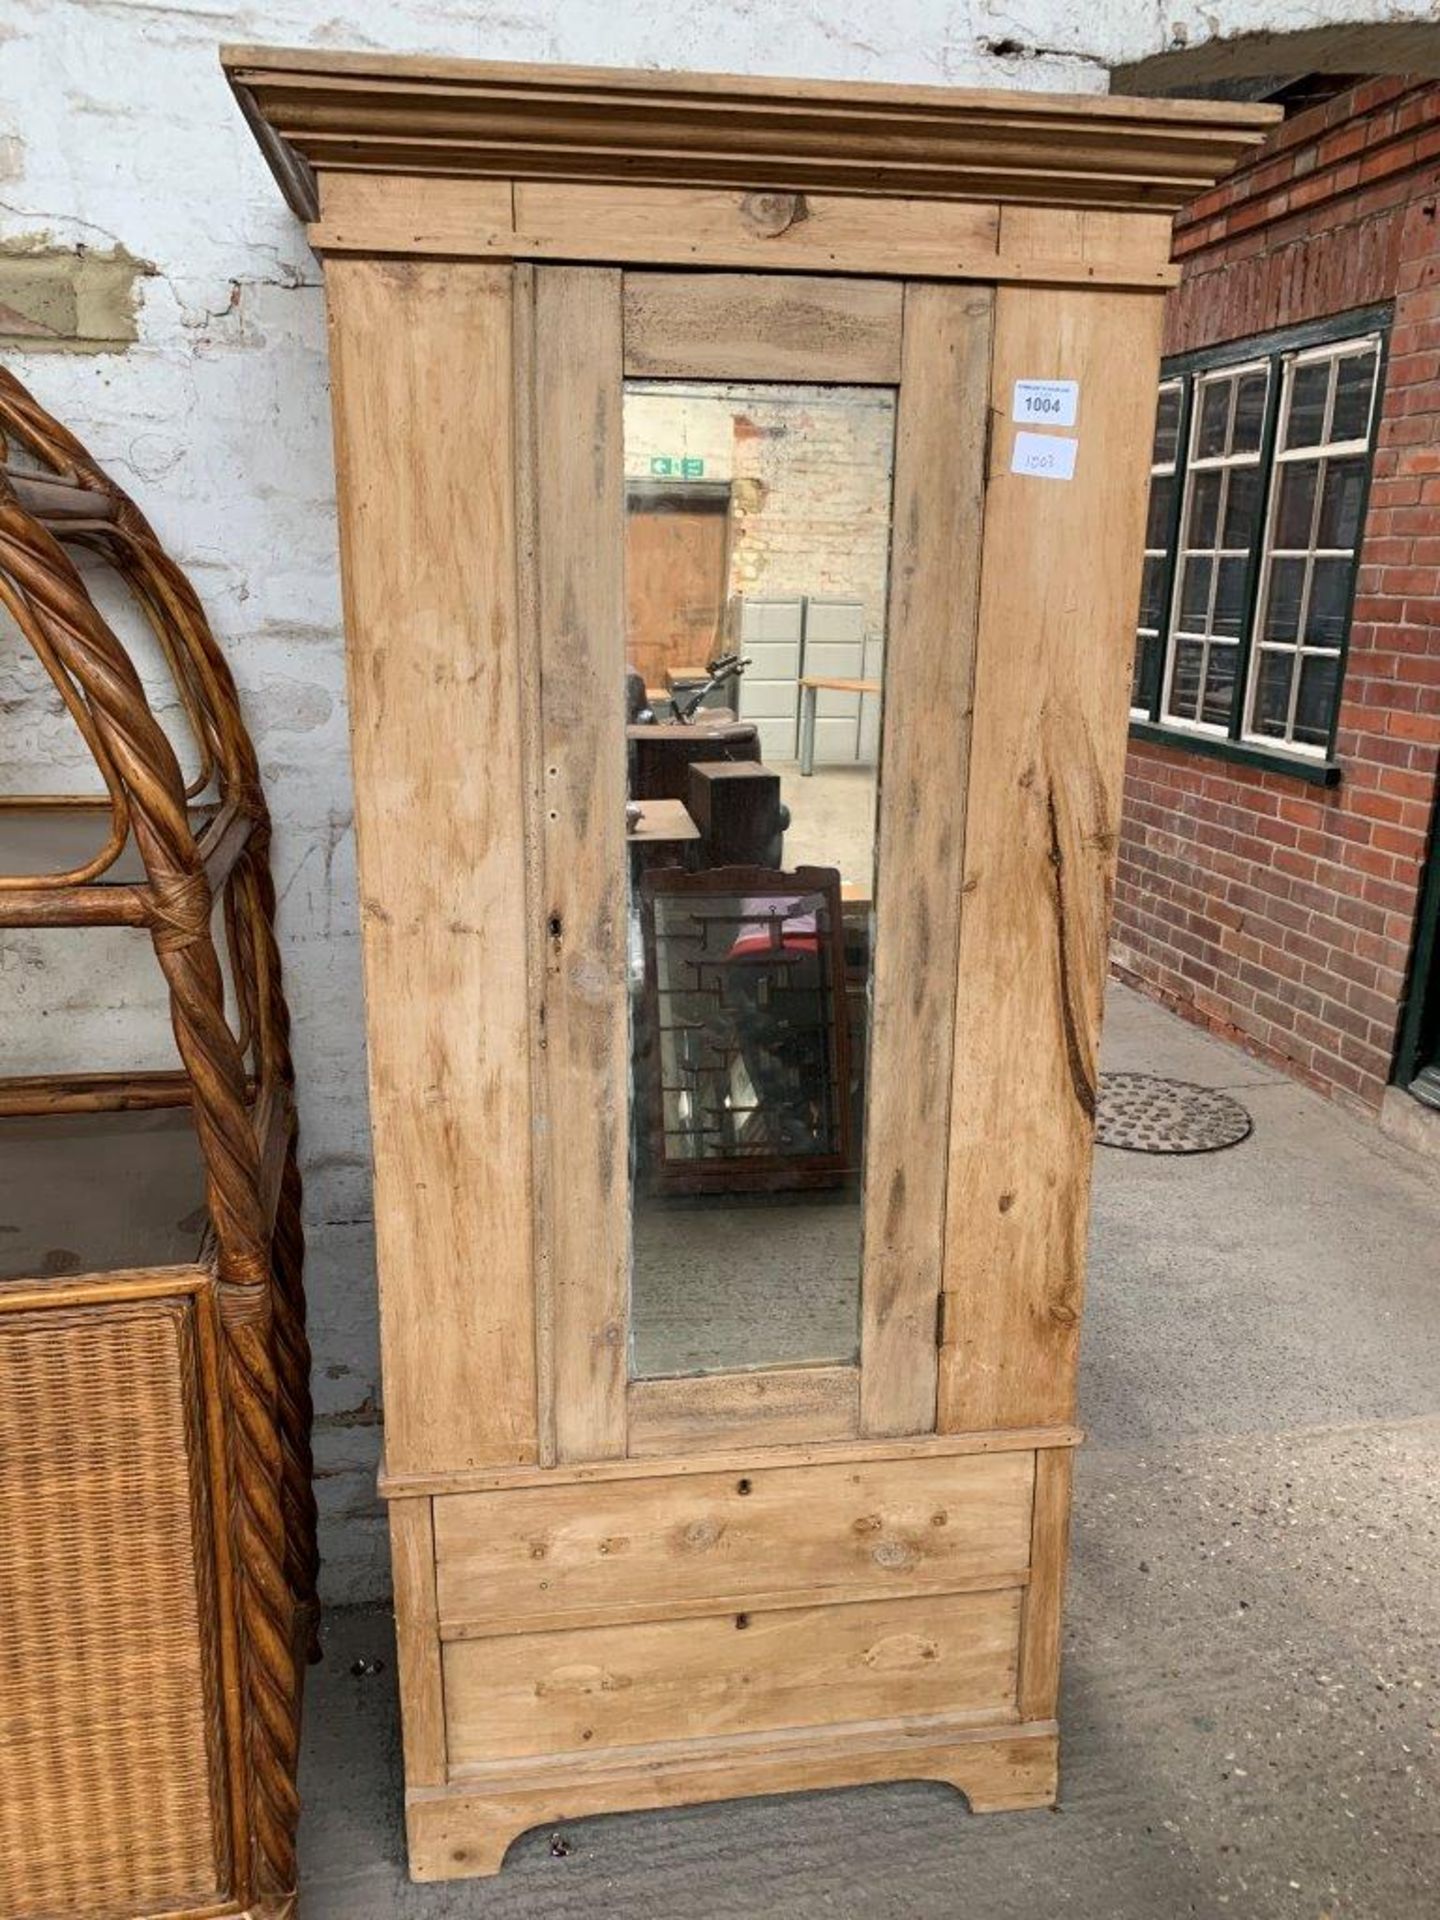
(771, 214)
(580, 1678)
(900, 1653)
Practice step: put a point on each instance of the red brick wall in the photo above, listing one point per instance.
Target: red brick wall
(1275, 911)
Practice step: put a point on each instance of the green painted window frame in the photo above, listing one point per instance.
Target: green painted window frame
(1154, 646)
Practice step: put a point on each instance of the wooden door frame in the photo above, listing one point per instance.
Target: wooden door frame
(590, 328)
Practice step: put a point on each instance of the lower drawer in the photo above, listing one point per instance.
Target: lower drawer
(517, 1695)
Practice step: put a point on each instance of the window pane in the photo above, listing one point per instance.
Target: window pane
(1242, 507)
(1282, 603)
(1162, 507)
(1195, 594)
(1272, 694)
(1214, 417)
(1204, 509)
(1229, 596)
(1185, 685)
(1354, 384)
(1319, 679)
(1329, 597)
(1295, 508)
(1249, 412)
(1309, 386)
(1152, 588)
(1219, 684)
(1340, 503)
(1146, 674)
(1167, 427)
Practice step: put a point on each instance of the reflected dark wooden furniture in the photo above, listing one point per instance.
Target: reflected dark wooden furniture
(744, 1038)
(736, 807)
(157, 1527)
(662, 755)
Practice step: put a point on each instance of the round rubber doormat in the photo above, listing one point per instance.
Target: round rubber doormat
(1142, 1113)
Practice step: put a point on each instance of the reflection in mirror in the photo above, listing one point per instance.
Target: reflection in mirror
(756, 556)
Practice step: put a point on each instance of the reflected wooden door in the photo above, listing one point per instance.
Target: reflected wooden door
(677, 556)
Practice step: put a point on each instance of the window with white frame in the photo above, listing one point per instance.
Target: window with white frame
(1258, 480)
(1218, 525)
(1312, 534)
(1159, 543)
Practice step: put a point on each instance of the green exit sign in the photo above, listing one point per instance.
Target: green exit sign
(664, 466)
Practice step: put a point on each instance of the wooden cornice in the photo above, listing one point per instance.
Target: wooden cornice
(465, 119)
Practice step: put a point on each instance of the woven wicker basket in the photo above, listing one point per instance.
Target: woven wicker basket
(157, 1540)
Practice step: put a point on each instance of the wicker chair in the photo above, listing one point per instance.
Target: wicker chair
(157, 1528)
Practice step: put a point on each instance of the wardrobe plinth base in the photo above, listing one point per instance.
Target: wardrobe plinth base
(463, 1830)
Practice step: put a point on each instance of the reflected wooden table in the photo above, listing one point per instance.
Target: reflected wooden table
(661, 823)
(811, 687)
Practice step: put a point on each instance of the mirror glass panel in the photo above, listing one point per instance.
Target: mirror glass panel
(756, 559)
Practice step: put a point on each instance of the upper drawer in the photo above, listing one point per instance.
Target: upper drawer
(647, 1547)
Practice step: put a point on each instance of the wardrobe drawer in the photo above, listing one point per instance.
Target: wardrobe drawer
(582, 1689)
(584, 1553)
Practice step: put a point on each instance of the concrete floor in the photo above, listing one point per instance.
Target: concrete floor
(1250, 1717)
(832, 819)
(735, 1280)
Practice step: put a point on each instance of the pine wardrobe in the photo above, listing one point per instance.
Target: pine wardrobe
(732, 1090)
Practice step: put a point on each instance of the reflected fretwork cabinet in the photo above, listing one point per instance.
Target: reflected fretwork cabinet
(742, 490)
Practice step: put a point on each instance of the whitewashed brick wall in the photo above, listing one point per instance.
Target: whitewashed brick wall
(810, 472)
